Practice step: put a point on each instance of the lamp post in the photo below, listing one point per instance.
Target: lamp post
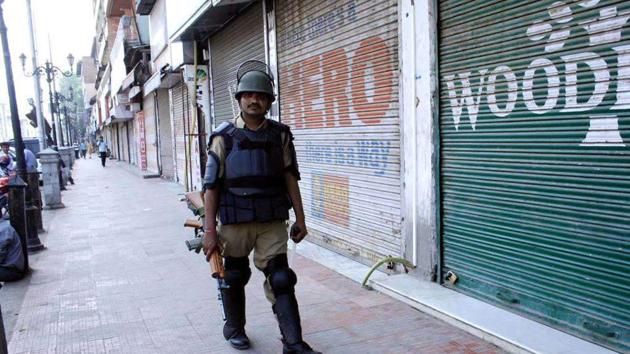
(16, 185)
(41, 124)
(50, 71)
(65, 99)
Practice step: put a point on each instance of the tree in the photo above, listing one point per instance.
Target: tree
(78, 124)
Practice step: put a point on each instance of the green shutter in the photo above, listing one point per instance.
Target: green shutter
(535, 159)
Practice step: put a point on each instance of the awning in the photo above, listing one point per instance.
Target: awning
(128, 80)
(123, 110)
(209, 19)
(144, 7)
(162, 79)
(135, 93)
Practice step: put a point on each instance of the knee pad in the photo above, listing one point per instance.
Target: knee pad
(237, 272)
(281, 278)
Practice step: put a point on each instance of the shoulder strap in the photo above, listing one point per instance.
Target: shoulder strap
(278, 126)
(223, 130)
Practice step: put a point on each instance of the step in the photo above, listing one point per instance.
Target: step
(511, 332)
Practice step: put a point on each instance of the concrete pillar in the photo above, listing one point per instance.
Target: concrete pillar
(66, 154)
(49, 159)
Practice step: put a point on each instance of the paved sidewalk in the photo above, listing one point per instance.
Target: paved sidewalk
(117, 277)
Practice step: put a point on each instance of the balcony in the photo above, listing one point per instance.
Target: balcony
(123, 110)
(144, 7)
(127, 53)
(209, 18)
(118, 7)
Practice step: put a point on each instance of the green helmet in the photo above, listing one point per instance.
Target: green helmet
(254, 76)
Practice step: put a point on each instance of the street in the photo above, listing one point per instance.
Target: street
(117, 277)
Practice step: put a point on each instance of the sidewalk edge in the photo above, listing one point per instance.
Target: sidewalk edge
(524, 336)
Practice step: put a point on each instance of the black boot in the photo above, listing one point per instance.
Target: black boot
(288, 314)
(234, 328)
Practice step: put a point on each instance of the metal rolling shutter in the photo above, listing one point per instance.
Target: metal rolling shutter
(133, 147)
(179, 96)
(535, 159)
(125, 146)
(115, 149)
(150, 133)
(166, 135)
(241, 40)
(338, 81)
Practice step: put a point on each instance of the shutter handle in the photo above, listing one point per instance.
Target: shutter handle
(600, 329)
(507, 298)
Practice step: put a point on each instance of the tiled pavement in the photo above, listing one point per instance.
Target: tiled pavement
(117, 277)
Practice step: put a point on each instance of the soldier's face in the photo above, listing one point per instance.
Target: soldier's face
(254, 103)
(5, 149)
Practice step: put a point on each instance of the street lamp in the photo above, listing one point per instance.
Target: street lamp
(50, 71)
(65, 100)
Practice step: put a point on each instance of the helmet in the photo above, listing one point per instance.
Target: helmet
(254, 76)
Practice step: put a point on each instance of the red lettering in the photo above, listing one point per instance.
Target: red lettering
(292, 110)
(372, 80)
(321, 91)
(311, 93)
(335, 70)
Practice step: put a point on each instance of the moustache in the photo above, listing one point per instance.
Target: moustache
(254, 105)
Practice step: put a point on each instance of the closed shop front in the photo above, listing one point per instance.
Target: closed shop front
(241, 40)
(181, 124)
(115, 140)
(150, 133)
(133, 146)
(128, 138)
(141, 141)
(535, 159)
(124, 141)
(339, 92)
(166, 135)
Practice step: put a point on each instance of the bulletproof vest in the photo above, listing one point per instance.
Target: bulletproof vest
(253, 187)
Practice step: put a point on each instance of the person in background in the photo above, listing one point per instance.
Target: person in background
(10, 162)
(82, 149)
(102, 150)
(4, 166)
(30, 160)
(11, 255)
(90, 148)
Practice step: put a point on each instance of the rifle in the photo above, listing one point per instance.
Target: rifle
(195, 204)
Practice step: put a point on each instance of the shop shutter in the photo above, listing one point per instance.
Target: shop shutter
(150, 133)
(115, 149)
(123, 141)
(129, 137)
(535, 159)
(166, 135)
(181, 126)
(133, 136)
(338, 83)
(241, 40)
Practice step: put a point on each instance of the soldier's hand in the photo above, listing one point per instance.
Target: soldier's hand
(210, 242)
(298, 231)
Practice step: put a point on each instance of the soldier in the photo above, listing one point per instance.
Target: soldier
(251, 181)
